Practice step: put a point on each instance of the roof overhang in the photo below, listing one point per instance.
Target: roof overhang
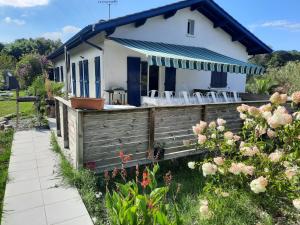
(209, 8)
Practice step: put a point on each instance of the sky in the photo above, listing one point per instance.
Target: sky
(276, 22)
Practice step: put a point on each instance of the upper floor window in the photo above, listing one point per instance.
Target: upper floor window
(191, 27)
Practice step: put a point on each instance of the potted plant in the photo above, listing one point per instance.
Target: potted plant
(87, 103)
(159, 151)
(258, 88)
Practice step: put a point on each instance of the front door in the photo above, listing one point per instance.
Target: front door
(133, 81)
(170, 79)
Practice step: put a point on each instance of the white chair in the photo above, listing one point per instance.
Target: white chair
(236, 96)
(185, 96)
(226, 96)
(212, 96)
(168, 95)
(200, 98)
(152, 93)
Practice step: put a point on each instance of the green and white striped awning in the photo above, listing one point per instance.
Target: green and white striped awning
(188, 57)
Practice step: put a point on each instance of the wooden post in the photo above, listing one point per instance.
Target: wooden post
(65, 126)
(79, 140)
(203, 113)
(57, 116)
(17, 102)
(151, 132)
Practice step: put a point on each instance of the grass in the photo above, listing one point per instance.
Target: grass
(6, 138)
(8, 106)
(84, 180)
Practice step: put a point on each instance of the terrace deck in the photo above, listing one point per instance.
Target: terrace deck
(97, 137)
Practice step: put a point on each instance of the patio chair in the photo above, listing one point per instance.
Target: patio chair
(236, 96)
(226, 96)
(212, 96)
(186, 97)
(168, 95)
(200, 98)
(152, 93)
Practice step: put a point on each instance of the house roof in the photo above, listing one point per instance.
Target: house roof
(219, 17)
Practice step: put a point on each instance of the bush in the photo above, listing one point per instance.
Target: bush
(260, 85)
(262, 160)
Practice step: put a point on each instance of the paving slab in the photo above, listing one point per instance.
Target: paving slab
(35, 193)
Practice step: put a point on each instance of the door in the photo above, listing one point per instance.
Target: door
(153, 77)
(98, 76)
(170, 79)
(133, 81)
(144, 79)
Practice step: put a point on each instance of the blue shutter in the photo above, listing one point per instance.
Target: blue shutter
(134, 81)
(170, 79)
(81, 79)
(57, 74)
(98, 76)
(74, 78)
(62, 74)
(86, 78)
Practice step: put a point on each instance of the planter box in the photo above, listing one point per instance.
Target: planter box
(87, 103)
(254, 97)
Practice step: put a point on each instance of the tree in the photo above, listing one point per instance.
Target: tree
(28, 68)
(7, 64)
(21, 47)
(1, 46)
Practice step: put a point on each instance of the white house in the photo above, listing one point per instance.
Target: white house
(188, 45)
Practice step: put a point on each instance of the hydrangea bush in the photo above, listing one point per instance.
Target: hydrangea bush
(263, 158)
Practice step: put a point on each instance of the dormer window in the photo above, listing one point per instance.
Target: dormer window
(191, 27)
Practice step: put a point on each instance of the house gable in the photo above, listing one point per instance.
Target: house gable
(174, 31)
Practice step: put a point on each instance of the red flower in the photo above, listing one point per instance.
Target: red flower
(146, 180)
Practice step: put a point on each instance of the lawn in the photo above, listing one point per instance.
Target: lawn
(6, 138)
(9, 106)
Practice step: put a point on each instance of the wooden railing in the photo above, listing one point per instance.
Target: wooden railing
(97, 137)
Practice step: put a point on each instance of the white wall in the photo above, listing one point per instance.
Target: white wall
(174, 29)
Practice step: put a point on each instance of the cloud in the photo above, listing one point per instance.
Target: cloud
(279, 24)
(63, 34)
(23, 3)
(10, 20)
(70, 29)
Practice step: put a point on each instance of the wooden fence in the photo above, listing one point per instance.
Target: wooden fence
(96, 137)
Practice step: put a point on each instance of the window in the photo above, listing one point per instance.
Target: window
(218, 80)
(191, 27)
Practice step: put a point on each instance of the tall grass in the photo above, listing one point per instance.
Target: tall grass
(6, 138)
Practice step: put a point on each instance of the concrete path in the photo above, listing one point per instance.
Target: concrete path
(34, 193)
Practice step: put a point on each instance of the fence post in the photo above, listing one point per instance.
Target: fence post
(151, 132)
(66, 126)
(57, 116)
(79, 140)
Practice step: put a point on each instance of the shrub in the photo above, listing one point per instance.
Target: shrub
(263, 159)
(140, 202)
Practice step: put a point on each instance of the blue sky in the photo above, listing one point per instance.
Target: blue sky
(276, 22)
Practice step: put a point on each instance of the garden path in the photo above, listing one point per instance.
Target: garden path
(35, 193)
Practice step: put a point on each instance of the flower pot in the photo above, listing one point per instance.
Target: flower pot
(87, 103)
